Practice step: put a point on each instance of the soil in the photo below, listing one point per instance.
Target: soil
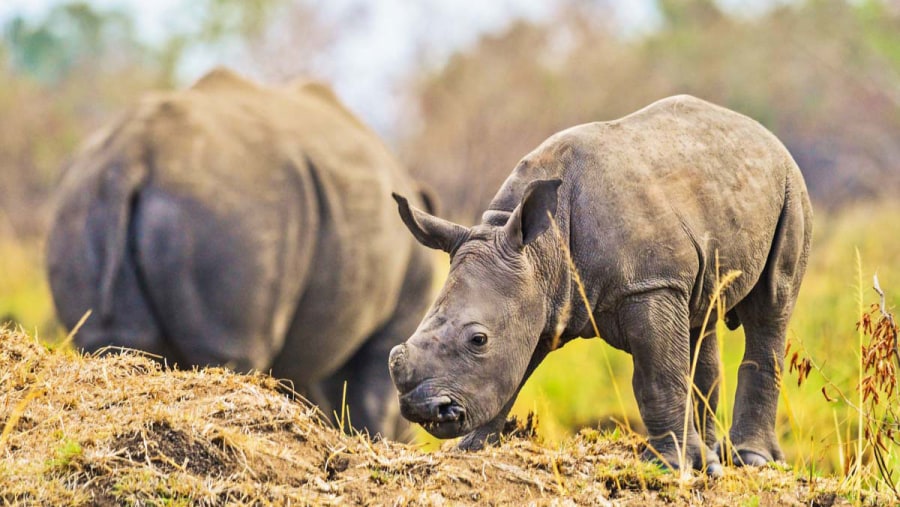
(121, 429)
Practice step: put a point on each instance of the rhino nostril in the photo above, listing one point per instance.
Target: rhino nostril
(440, 401)
(450, 412)
(442, 408)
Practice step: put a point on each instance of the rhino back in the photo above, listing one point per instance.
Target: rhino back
(653, 199)
(302, 191)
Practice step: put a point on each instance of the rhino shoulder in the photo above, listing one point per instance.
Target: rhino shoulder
(551, 160)
(223, 79)
(685, 108)
(323, 93)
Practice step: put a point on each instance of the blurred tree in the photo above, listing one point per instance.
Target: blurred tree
(693, 14)
(228, 18)
(822, 74)
(482, 112)
(69, 71)
(294, 42)
(65, 74)
(275, 40)
(73, 36)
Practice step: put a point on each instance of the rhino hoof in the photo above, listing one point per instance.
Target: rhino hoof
(746, 457)
(715, 470)
(477, 441)
(712, 467)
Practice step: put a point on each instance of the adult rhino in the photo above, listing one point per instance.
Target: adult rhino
(231, 224)
(648, 206)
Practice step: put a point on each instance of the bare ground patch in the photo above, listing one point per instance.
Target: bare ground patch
(122, 430)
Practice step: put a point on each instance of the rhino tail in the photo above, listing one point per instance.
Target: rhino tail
(118, 191)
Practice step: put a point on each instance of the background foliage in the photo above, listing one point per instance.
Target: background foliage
(824, 75)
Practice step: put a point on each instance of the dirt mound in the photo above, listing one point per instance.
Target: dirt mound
(122, 430)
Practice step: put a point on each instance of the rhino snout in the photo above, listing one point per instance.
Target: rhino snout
(439, 414)
(401, 372)
(418, 408)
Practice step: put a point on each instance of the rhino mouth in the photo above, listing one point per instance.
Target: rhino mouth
(439, 415)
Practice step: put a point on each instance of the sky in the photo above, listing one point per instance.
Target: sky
(380, 47)
(386, 44)
(367, 63)
(458, 20)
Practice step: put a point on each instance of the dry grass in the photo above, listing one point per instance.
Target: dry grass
(870, 457)
(122, 430)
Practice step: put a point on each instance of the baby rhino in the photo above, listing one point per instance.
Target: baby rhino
(647, 207)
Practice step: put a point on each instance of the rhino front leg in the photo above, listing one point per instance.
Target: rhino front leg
(486, 434)
(489, 433)
(705, 350)
(656, 327)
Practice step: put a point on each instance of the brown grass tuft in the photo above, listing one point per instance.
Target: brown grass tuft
(122, 430)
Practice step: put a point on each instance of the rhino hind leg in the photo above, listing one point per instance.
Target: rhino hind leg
(656, 326)
(765, 313)
(752, 434)
(198, 280)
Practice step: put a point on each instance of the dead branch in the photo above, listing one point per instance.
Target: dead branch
(882, 307)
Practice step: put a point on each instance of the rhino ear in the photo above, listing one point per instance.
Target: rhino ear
(430, 230)
(531, 218)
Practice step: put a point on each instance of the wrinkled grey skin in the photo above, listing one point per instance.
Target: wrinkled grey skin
(644, 204)
(231, 224)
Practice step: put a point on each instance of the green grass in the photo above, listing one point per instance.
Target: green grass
(576, 386)
(68, 451)
(24, 292)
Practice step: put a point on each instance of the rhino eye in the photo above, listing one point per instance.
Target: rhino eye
(478, 339)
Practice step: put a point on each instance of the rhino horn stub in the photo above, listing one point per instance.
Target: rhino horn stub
(400, 369)
(428, 229)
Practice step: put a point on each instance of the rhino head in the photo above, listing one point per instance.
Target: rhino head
(465, 363)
